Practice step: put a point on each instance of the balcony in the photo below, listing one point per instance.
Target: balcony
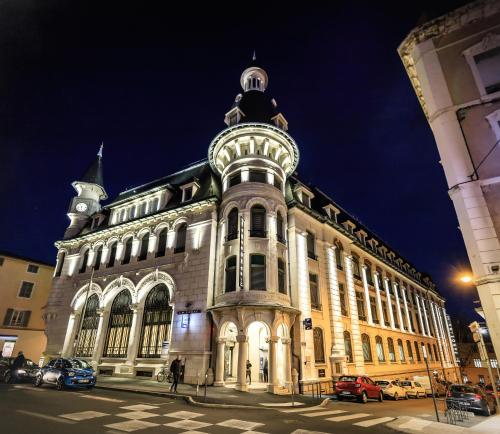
(232, 236)
(258, 233)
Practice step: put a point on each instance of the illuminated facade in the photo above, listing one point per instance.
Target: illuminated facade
(234, 259)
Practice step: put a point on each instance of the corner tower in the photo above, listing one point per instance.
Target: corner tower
(253, 156)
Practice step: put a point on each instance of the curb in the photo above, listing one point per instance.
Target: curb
(189, 399)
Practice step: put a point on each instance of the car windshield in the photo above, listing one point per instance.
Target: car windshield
(382, 383)
(461, 388)
(348, 378)
(76, 364)
(405, 383)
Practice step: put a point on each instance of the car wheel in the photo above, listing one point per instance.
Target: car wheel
(363, 398)
(160, 378)
(60, 384)
(7, 377)
(424, 395)
(395, 396)
(38, 381)
(381, 397)
(487, 412)
(406, 396)
(339, 398)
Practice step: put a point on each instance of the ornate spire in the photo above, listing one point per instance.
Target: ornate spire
(93, 174)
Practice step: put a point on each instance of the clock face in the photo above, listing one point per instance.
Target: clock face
(82, 207)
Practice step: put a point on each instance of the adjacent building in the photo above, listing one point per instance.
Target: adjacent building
(25, 285)
(453, 63)
(234, 258)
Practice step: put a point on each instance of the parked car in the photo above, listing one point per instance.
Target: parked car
(26, 373)
(63, 373)
(392, 389)
(440, 387)
(360, 387)
(413, 388)
(489, 390)
(472, 397)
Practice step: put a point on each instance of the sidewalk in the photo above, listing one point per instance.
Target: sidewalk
(220, 396)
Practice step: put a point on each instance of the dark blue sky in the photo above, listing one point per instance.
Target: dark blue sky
(154, 85)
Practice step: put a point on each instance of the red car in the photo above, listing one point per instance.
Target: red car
(489, 390)
(360, 387)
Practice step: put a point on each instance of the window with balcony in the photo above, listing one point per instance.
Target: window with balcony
(258, 222)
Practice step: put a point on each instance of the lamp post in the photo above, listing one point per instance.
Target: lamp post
(424, 352)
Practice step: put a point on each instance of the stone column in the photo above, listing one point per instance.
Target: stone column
(219, 367)
(437, 326)
(288, 363)
(407, 312)
(426, 318)
(134, 334)
(99, 337)
(105, 254)
(273, 371)
(377, 280)
(120, 250)
(71, 331)
(153, 240)
(367, 295)
(420, 319)
(398, 306)
(389, 303)
(241, 381)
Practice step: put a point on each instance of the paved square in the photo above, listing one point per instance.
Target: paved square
(244, 425)
(131, 425)
(184, 415)
(188, 424)
(140, 407)
(136, 415)
(83, 415)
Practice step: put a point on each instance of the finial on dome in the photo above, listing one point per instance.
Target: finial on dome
(254, 57)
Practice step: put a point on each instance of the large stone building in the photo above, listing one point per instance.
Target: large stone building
(25, 285)
(453, 63)
(235, 259)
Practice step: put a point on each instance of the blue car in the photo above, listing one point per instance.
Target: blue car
(62, 373)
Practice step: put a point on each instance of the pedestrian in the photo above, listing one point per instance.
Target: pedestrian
(265, 371)
(175, 369)
(18, 363)
(249, 372)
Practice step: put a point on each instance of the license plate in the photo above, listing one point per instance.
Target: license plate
(345, 392)
(83, 381)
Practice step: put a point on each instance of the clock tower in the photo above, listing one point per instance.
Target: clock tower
(90, 191)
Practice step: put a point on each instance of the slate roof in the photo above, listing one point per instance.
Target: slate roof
(93, 174)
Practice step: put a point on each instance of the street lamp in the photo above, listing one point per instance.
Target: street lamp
(465, 278)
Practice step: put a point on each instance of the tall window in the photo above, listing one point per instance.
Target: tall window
(128, 251)
(319, 350)
(258, 272)
(280, 232)
(369, 276)
(401, 350)
(85, 259)
(314, 291)
(17, 318)
(60, 263)
(409, 351)
(234, 180)
(348, 347)
(395, 316)
(435, 352)
(232, 224)
(367, 348)
(162, 243)
(343, 301)
(156, 322)
(311, 245)
(180, 239)
(355, 268)
(392, 353)
(231, 274)
(98, 257)
(386, 314)
(143, 254)
(120, 320)
(257, 176)
(373, 308)
(258, 221)
(380, 349)
(417, 351)
(281, 276)
(26, 289)
(112, 255)
(338, 257)
(360, 302)
(86, 340)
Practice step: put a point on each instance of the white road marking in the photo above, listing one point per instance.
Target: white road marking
(296, 410)
(139, 407)
(183, 415)
(44, 416)
(240, 424)
(348, 417)
(99, 398)
(371, 422)
(131, 425)
(416, 424)
(187, 424)
(34, 389)
(136, 415)
(250, 432)
(322, 413)
(83, 415)
(280, 404)
(305, 431)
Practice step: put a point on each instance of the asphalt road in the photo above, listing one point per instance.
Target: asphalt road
(26, 409)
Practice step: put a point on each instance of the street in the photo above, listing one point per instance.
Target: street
(24, 408)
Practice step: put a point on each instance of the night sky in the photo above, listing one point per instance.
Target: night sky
(154, 85)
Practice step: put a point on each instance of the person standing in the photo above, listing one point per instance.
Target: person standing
(18, 363)
(265, 371)
(175, 369)
(249, 372)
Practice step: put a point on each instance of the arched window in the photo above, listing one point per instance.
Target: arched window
(338, 257)
(85, 259)
(86, 339)
(369, 276)
(162, 243)
(232, 224)
(429, 351)
(231, 274)
(367, 348)
(281, 276)
(112, 255)
(380, 349)
(60, 263)
(180, 239)
(258, 272)
(156, 322)
(401, 350)
(155, 205)
(280, 233)
(258, 221)
(98, 257)
(123, 215)
(409, 351)
(417, 351)
(131, 212)
(128, 251)
(144, 207)
(120, 320)
(319, 350)
(311, 245)
(392, 353)
(355, 268)
(435, 352)
(143, 254)
(348, 347)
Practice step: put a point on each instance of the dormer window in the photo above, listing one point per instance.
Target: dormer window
(188, 194)
(332, 212)
(189, 190)
(349, 226)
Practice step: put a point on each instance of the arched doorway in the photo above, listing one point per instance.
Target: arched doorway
(258, 353)
(228, 335)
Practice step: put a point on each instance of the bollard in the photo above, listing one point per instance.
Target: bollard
(206, 384)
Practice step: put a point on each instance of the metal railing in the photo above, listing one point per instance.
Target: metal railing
(456, 412)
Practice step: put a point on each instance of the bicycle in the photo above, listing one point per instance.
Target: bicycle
(164, 375)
